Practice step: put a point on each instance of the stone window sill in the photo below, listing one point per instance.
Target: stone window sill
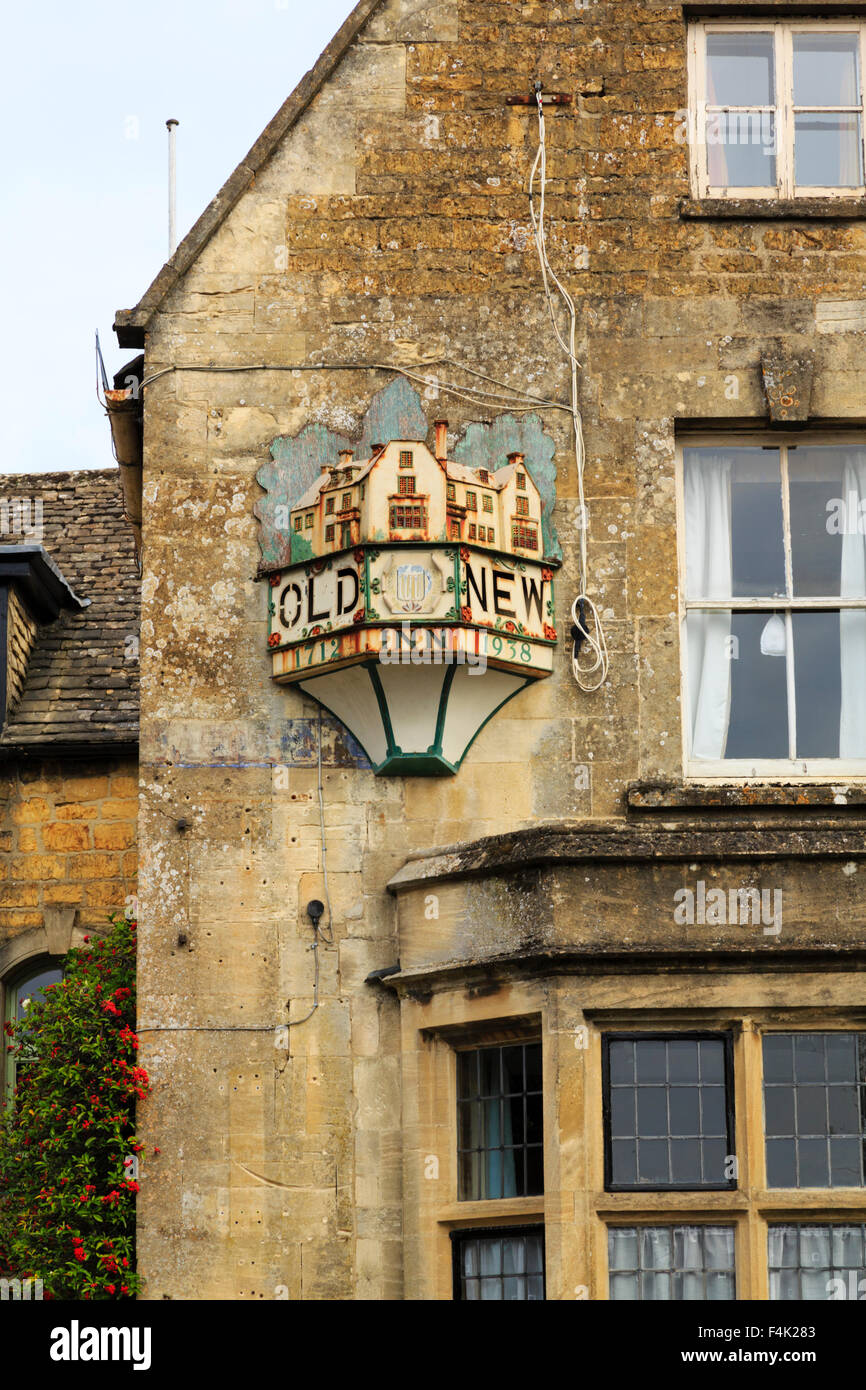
(773, 209)
(654, 796)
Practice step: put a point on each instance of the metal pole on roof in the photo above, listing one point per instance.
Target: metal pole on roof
(172, 188)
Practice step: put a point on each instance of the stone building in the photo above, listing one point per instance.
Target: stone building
(69, 736)
(586, 1018)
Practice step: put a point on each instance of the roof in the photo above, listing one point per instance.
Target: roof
(81, 688)
(130, 324)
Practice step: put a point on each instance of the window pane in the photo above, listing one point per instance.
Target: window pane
(683, 1061)
(686, 1162)
(622, 1116)
(820, 1262)
(621, 1058)
(757, 551)
(622, 1248)
(685, 1110)
(827, 150)
(826, 69)
(820, 480)
(507, 1268)
(735, 490)
(652, 1111)
(758, 722)
(778, 1057)
(33, 988)
(650, 1062)
(814, 1122)
(781, 1162)
(671, 1262)
(740, 69)
(678, 1115)
(779, 1109)
(499, 1131)
(741, 149)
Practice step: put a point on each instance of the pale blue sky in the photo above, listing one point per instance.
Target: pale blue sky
(86, 90)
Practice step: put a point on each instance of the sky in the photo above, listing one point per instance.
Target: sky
(85, 94)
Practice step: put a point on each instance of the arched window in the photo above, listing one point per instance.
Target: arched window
(20, 988)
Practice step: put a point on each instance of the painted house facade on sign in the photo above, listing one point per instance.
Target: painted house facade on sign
(585, 1018)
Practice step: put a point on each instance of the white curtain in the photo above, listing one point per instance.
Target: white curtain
(852, 623)
(708, 575)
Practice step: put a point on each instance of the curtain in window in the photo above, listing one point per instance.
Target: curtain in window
(852, 624)
(708, 575)
(501, 1177)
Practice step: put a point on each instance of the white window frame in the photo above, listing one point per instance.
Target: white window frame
(783, 31)
(741, 770)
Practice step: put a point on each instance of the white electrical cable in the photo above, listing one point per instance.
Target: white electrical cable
(592, 675)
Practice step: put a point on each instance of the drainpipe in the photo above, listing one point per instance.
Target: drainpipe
(124, 417)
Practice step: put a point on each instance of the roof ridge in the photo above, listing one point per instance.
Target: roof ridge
(129, 324)
(76, 473)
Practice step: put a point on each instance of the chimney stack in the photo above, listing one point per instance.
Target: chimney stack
(346, 456)
(441, 427)
(515, 458)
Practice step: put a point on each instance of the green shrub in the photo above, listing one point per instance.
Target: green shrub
(67, 1196)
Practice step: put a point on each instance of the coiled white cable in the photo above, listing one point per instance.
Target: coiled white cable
(590, 675)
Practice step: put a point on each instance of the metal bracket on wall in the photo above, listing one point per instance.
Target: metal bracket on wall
(547, 99)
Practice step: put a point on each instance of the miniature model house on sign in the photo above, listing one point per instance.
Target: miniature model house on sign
(418, 601)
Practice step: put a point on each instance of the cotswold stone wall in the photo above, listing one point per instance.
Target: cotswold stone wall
(67, 831)
(391, 225)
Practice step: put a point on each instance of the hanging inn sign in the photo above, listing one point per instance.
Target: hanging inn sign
(417, 601)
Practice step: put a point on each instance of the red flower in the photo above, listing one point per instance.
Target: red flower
(547, 575)
(466, 614)
(464, 553)
(80, 1253)
(274, 639)
(550, 632)
(315, 631)
(359, 616)
(110, 1288)
(274, 580)
(110, 1008)
(509, 627)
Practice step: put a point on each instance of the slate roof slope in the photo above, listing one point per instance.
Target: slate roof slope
(82, 677)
